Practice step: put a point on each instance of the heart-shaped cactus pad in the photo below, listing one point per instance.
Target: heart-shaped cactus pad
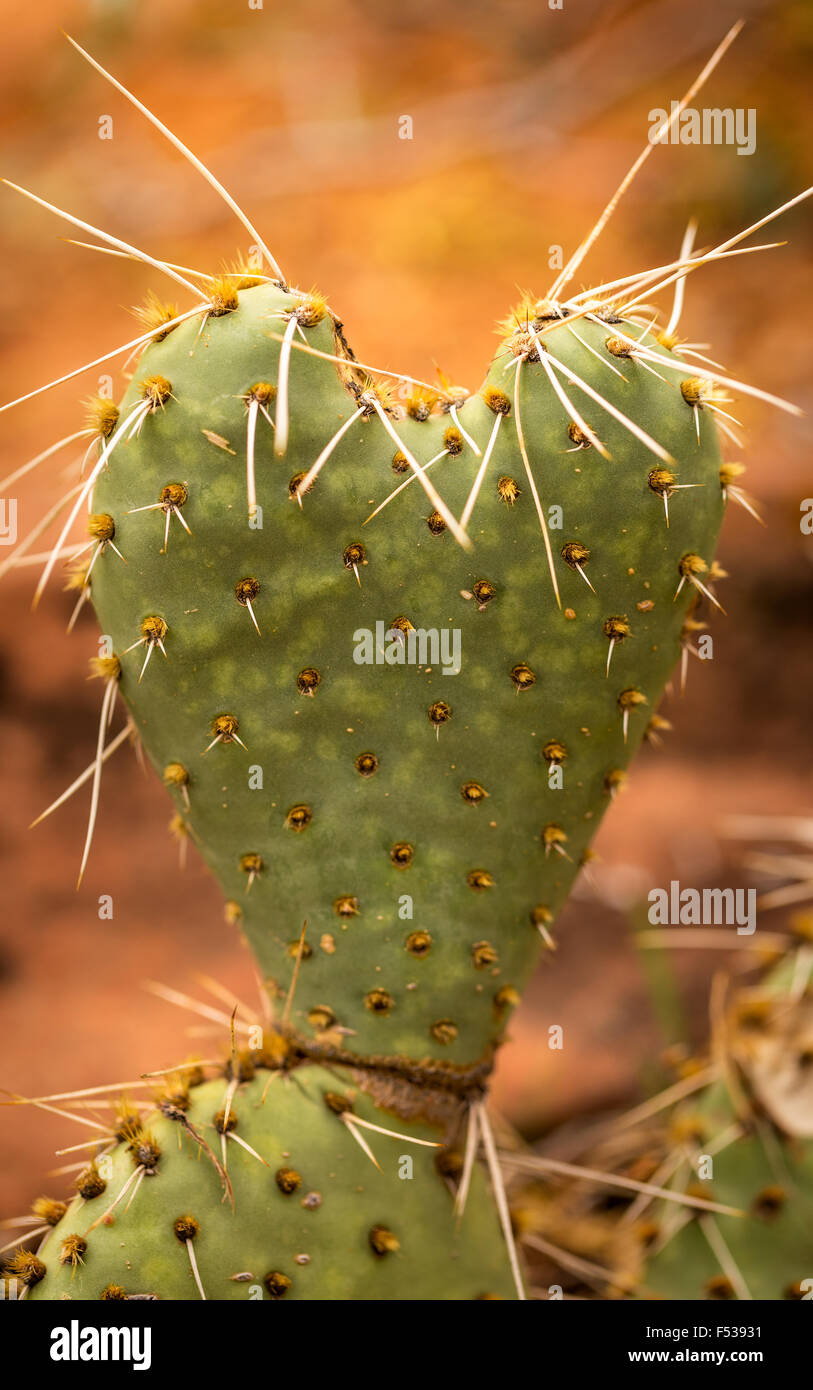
(401, 729)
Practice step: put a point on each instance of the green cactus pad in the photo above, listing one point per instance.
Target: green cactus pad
(737, 1155)
(770, 1246)
(758, 1130)
(412, 818)
(306, 1215)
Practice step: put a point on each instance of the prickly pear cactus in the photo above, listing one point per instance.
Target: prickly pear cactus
(255, 1186)
(424, 808)
(710, 1198)
(748, 1140)
(763, 1252)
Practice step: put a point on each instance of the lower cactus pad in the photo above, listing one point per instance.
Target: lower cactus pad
(258, 1188)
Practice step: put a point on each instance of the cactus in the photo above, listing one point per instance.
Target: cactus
(733, 1157)
(325, 791)
(391, 648)
(761, 1252)
(266, 1183)
(756, 1127)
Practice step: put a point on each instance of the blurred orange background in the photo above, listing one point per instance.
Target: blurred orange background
(524, 119)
